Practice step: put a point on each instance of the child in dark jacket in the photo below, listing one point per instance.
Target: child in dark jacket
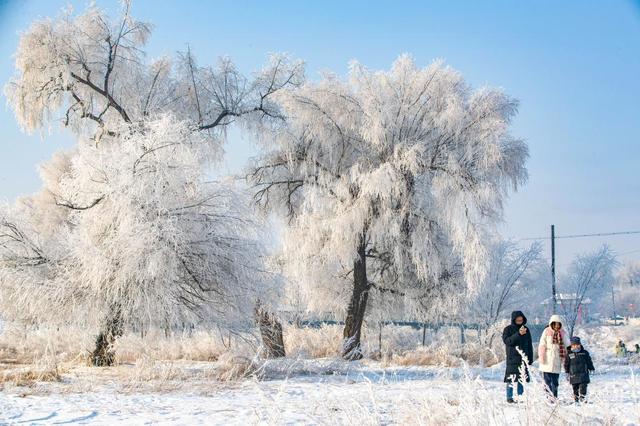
(578, 364)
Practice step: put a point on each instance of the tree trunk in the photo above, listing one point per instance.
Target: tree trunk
(103, 354)
(271, 332)
(351, 348)
(493, 335)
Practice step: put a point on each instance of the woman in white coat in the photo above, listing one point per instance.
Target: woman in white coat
(552, 351)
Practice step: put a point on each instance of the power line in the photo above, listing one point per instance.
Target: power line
(600, 234)
(629, 252)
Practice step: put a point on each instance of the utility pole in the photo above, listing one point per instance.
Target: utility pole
(553, 268)
(613, 302)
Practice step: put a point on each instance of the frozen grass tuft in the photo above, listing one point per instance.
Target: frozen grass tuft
(45, 369)
(233, 366)
(308, 343)
(147, 369)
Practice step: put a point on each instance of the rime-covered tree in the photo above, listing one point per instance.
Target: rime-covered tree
(625, 294)
(389, 180)
(133, 228)
(144, 237)
(629, 274)
(510, 279)
(92, 74)
(590, 275)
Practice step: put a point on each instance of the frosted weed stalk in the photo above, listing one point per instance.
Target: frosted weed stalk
(330, 406)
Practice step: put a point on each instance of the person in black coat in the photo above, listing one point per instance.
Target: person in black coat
(516, 335)
(578, 364)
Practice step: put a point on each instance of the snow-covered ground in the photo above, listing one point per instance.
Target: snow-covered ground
(320, 391)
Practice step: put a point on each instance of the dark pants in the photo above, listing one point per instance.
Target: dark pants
(519, 389)
(579, 391)
(551, 380)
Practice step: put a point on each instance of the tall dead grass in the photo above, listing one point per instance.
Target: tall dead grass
(27, 344)
(45, 369)
(306, 343)
(393, 344)
(455, 355)
(198, 345)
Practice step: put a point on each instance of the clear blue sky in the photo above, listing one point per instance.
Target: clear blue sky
(574, 65)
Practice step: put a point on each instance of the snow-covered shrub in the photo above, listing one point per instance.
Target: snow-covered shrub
(427, 356)
(234, 366)
(147, 369)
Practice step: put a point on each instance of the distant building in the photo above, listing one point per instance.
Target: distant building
(566, 302)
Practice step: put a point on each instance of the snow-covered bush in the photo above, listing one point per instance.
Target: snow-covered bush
(235, 366)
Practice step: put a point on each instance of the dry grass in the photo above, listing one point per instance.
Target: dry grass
(28, 375)
(425, 356)
(46, 369)
(397, 345)
(195, 346)
(152, 354)
(30, 344)
(447, 356)
(307, 343)
(38, 354)
(146, 369)
(231, 366)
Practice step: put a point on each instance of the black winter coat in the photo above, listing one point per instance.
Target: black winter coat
(578, 365)
(512, 339)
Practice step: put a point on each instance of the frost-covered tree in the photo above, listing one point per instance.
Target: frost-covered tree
(143, 237)
(91, 73)
(128, 225)
(389, 180)
(590, 275)
(511, 276)
(625, 297)
(629, 274)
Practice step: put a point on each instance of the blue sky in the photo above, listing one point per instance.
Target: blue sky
(574, 65)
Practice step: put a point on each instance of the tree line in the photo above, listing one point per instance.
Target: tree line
(389, 185)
